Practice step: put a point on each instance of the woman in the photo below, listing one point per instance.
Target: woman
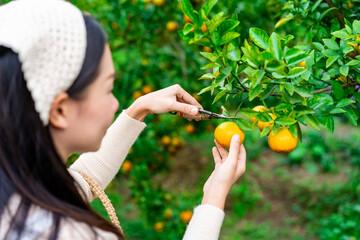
(56, 78)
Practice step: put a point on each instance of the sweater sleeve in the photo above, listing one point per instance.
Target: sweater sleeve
(102, 166)
(205, 223)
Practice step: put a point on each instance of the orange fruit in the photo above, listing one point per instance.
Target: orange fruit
(283, 141)
(350, 4)
(197, 97)
(171, 26)
(259, 108)
(207, 49)
(147, 1)
(136, 94)
(185, 216)
(217, 73)
(189, 128)
(302, 64)
(176, 142)
(159, 226)
(158, 3)
(187, 19)
(126, 166)
(224, 132)
(147, 89)
(204, 28)
(114, 25)
(262, 125)
(168, 213)
(165, 140)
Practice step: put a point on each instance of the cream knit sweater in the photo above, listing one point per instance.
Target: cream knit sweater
(102, 166)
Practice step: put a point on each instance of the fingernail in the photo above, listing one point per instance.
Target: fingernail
(236, 138)
(194, 111)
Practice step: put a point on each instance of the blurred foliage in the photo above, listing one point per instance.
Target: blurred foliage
(148, 55)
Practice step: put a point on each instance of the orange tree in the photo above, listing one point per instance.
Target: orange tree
(301, 82)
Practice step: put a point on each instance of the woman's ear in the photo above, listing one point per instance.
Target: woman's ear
(59, 112)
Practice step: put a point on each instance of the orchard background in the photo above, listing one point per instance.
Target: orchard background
(297, 58)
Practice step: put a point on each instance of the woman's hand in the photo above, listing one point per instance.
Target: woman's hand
(229, 166)
(172, 98)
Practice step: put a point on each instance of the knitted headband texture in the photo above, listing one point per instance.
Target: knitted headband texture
(49, 37)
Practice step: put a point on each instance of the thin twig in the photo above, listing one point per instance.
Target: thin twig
(336, 13)
(238, 80)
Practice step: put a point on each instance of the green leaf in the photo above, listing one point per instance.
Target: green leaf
(297, 59)
(206, 8)
(353, 63)
(207, 76)
(260, 37)
(257, 77)
(265, 131)
(254, 92)
(294, 130)
(326, 12)
(282, 21)
(244, 124)
(340, 34)
(330, 124)
(233, 53)
(337, 110)
(264, 117)
(189, 11)
(270, 88)
(301, 110)
(247, 112)
(210, 66)
(302, 91)
(311, 120)
(211, 56)
(337, 90)
(351, 115)
(227, 26)
(331, 43)
(344, 70)
(227, 37)
(296, 71)
(285, 120)
(188, 28)
(331, 60)
(318, 46)
(344, 102)
(206, 89)
(219, 95)
(290, 88)
(275, 45)
(356, 27)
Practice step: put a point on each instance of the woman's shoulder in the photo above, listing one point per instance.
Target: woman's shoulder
(39, 224)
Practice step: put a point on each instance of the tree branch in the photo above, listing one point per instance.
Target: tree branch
(336, 13)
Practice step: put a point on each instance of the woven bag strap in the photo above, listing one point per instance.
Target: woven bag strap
(96, 189)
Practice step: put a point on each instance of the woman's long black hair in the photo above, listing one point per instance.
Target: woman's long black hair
(29, 163)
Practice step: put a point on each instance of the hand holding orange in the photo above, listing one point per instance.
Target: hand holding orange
(224, 132)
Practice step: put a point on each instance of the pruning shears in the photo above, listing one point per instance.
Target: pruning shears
(203, 115)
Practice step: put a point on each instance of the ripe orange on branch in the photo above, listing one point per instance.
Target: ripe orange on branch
(262, 125)
(185, 216)
(171, 26)
(224, 132)
(259, 108)
(282, 141)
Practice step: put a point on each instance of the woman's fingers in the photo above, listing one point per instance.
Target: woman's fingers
(185, 97)
(184, 108)
(222, 150)
(241, 166)
(234, 149)
(216, 155)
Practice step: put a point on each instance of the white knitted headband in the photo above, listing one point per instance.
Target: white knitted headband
(49, 37)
